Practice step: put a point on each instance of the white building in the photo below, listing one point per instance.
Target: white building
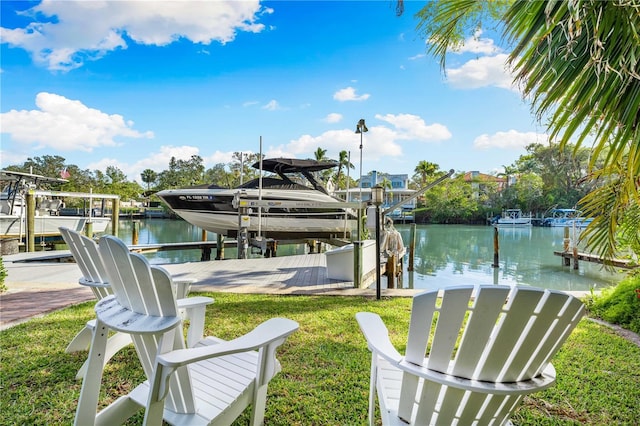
(394, 195)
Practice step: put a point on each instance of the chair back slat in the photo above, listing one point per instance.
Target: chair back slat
(422, 312)
(567, 319)
(85, 253)
(455, 305)
(488, 305)
(507, 332)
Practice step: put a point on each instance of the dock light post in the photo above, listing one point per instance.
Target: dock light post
(377, 196)
(360, 129)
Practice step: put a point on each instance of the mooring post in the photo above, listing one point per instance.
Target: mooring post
(412, 246)
(135, 233)
(89, 229)
(392, 264)
(496, 248)
(219, 247)
(31, 221)
(115, 216)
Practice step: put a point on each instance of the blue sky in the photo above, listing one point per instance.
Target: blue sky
(132, 83)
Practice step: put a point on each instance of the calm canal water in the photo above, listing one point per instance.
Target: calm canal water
(445, 255)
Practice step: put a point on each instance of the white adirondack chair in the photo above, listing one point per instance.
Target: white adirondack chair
(86, 254)
(212, 383)
(486, 347)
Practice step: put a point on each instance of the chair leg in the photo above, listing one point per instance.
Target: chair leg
(372, 388)
(82, 340)
(114, 344)
(259, 405)
(88, 401)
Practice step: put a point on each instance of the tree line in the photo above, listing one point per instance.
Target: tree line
(545, 177)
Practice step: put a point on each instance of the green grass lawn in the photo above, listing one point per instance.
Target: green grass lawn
(325, 365)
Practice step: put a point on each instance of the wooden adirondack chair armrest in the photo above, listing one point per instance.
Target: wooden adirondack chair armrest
(377, 336)
(269, 335)
(270, 331)
(195, 309)
(194, 302)
(83, 281)
(546, 379)
(183, 286)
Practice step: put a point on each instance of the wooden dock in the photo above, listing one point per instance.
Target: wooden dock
(567, 256)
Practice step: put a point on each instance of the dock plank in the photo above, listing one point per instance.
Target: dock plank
(593, 258)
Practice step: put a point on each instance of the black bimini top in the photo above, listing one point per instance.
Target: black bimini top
(293, 165)
(284, 166)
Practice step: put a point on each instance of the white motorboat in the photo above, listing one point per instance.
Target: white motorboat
(212, 208)
(513, 217)
(566, 217)
(47, 219)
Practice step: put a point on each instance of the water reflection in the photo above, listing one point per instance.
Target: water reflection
(445, 255)
(454, 254)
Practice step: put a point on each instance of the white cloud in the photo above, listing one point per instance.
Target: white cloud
(482, 72)
(272, 105)
(334, 117)
(477, 44)
(412, 127)
(378, 142)
(157, 161)
(349, 94)
(66, 125)
(511, 139)
(79, 30)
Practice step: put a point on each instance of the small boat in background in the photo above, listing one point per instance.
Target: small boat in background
(48, 218)
(513, 217)
(566, 217)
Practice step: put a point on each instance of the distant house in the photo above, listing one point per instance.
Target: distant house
(398, 192)
(479, 181)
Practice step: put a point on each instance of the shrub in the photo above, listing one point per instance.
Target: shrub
(3, 273)
(620, 304)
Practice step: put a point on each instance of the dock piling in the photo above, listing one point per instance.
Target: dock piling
(135, 232)
(496, 248)
(220, 247)
(412, 246)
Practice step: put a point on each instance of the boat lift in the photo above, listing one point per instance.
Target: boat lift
(243, 205)
(30, 204)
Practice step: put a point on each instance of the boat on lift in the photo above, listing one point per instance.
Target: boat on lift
(566, 217)
(213, 208)
(48, 218)
(513, 217)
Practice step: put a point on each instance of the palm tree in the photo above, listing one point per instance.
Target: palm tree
(578, 63)
(320, 154)
(343, 162)
(423, 171)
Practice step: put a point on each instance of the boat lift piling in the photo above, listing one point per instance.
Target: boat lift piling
(496, 248)
(412, 246)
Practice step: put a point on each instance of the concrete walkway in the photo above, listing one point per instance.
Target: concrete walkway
(39, 287)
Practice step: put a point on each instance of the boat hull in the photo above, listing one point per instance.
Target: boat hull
(213, 211)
